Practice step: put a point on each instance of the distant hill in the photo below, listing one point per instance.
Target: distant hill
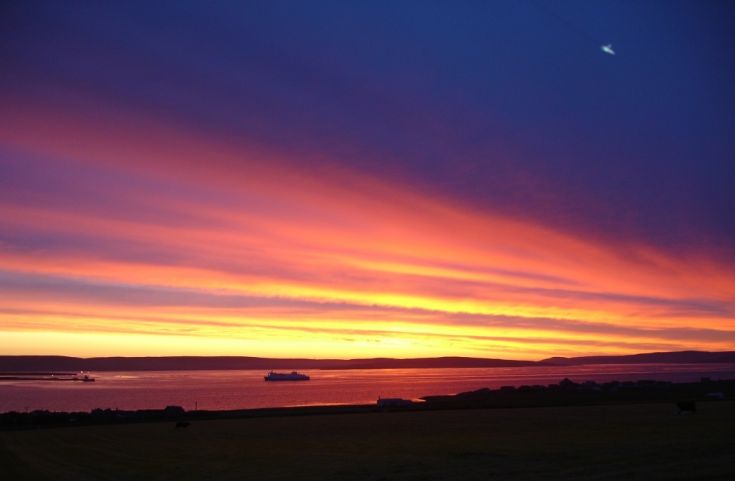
(191, 363)
(681, 357)
(427, 362)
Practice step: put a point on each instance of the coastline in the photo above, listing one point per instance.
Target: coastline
(564, 394)
(19, 363)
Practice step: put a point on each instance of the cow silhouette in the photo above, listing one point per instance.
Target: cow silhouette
(686, 407)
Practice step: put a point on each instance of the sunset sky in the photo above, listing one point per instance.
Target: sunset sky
(359, 179)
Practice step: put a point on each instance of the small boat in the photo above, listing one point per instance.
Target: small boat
(285, 376)
(84, 378)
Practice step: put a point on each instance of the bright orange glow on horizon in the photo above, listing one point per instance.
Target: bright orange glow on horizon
(213, 249)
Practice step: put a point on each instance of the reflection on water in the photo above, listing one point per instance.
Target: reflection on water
(247, 389)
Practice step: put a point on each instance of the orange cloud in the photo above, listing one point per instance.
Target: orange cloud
(204, 241)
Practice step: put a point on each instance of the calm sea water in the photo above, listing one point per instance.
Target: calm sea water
(247, 389)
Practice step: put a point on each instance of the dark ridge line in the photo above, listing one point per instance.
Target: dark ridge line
(17, 364)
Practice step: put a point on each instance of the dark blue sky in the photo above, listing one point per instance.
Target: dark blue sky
(505, 105)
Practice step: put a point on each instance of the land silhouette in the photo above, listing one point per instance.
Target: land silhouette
(183, 363)
(636, 441)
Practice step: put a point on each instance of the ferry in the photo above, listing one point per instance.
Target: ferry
(283, 376)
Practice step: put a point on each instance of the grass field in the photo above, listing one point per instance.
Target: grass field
(630, 442)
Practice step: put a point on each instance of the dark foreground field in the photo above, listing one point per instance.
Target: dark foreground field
(631, 442)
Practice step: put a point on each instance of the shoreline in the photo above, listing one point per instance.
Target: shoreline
(564, 394)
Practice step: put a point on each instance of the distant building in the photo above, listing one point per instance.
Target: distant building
(171, 411)
(393, 402)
